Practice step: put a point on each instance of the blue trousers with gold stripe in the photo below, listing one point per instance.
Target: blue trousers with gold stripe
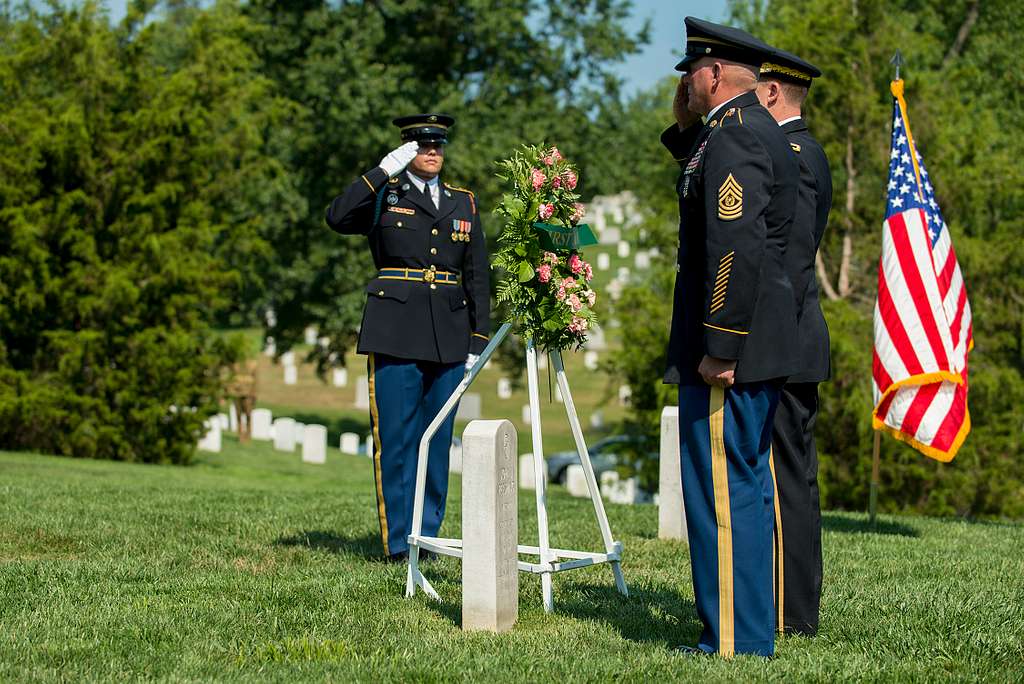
(725, 446)
(405, 396)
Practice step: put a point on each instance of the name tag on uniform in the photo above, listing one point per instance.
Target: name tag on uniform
(403, 210)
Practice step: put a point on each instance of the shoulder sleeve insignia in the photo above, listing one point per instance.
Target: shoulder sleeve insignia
(730, 199)
(796, 147)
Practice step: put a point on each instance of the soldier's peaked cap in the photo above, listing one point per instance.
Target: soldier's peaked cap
(425, 128)
(788, 67)
(707, 39)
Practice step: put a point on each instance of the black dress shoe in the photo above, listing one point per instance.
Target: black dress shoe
(688, 651)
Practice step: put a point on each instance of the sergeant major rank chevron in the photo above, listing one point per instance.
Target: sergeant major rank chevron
(730, 199)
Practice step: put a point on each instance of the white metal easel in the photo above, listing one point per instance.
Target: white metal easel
(551, 560)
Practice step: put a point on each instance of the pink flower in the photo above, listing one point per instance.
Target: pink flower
(591, 297)
(556, 182)
(550, 258)
(578, 212)
(538, 179)
(569, 283)
(576, 264)
(546, 211)
(560, 295)
(570, 179)
(552, 157)
(578, 324)
(588, 272)
(544, 273)
(574, 303)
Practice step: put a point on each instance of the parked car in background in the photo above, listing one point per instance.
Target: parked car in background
(605, 454)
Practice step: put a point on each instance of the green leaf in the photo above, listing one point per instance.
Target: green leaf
(525, 272)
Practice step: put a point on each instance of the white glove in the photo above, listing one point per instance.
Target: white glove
(471, 361)
(398, 158)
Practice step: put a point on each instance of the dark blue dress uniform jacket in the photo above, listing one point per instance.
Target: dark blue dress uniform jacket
(737, 197)
(413, 318)
(811, 215)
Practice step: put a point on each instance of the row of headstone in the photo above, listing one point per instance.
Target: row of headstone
(211, 439)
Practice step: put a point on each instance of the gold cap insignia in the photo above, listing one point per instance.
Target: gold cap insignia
(433, 119)
(730, 199)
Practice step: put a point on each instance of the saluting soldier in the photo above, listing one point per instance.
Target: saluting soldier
(427, 313)
(734, 323)
(784, 82)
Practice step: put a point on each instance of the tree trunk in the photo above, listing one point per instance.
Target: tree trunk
(826, 285)
(961, 35)
(851, 196)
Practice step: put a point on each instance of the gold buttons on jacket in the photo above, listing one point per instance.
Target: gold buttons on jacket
(434, 231)
(433, 286)
(398, 224)
(380, 292)
(433, 250)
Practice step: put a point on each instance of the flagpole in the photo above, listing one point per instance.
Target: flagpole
(876, 465)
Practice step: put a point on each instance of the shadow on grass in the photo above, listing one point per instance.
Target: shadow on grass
(660, 617)
(846, 525)
(367, 546)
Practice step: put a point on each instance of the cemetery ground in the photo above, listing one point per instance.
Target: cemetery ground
(249, 565)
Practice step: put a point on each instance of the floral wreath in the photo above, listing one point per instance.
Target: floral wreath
(546, 285)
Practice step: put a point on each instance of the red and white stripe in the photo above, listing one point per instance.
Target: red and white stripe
(922, 337)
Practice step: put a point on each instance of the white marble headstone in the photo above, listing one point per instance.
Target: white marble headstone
(576, 481)
(470, 407)
(623, 274)
(597, 420)
(369, 445)
(339, 377)
(625, 394)
(490, 523)
(314, 444)
(284, 434)
(349, 443)
(309, 335)
(232, 417)
(362, 392)
(288, 358)
(504, 388)
(291, 375)
(261, 419)
(224, 421)
(211, 437)
(604, 261)
(269, 347)
(526, 415)
(642, 261)
(612, 236)
(526, 474)
(622, 249)
(455, 453)
(590, 359)
(671, 512)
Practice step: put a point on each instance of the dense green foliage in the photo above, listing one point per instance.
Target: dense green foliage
(969, 136)
(251, 566)
(121, 152)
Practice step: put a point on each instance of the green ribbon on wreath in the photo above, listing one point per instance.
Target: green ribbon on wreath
(563, 238)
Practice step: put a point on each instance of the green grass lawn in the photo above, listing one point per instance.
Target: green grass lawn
(252, 566)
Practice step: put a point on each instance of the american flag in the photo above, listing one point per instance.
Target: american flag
(922, 316)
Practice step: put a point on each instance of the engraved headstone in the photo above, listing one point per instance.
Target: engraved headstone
(604, 261)
(504, 388)
(339, 377)
(362, 393)
(349, 443)
(576, 480)
(211, 438)
(526, 475)
(261, 419)
(284, 434)
(470, 407)
(622, 249)
(291, 375)
(490, 523)
(671, 513)
(314, 444)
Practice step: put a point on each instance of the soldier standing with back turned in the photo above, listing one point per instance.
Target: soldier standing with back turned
(427, 314)
(782, 89)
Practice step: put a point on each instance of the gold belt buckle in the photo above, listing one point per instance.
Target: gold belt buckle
(428, 276)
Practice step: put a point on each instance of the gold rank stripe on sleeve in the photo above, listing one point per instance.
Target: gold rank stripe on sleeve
(730, 199)
(485, 338)
(721, 282)
(368, 183)
(795, 146)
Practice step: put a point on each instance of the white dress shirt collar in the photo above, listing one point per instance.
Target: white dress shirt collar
(786, 121)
